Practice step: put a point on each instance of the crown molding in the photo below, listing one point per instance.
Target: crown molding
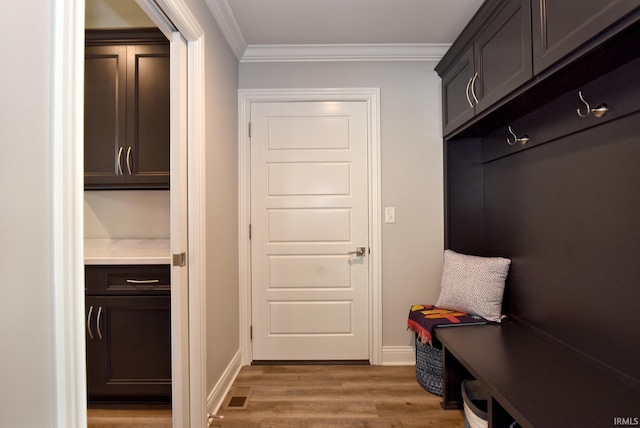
(344, 52)
(223, 14)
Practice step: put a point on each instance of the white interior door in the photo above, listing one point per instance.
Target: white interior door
(179, 234)
(309, 216)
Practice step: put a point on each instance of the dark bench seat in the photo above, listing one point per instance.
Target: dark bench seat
(534, 381)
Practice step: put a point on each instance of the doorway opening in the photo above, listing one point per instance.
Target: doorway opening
(370, 96)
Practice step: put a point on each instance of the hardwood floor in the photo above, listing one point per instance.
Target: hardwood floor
(129, 417)
(335, 396)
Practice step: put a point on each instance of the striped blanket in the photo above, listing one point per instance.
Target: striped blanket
(423, 319)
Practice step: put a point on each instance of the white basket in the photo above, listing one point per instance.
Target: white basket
(473, 416)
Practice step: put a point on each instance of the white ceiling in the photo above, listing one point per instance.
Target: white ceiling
(295, 22)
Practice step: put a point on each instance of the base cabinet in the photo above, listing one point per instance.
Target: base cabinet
(128, 346)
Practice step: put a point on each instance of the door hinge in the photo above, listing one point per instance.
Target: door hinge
(250, 332)
(249, 231)
(249, 129)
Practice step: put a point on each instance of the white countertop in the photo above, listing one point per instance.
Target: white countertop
(127, 251)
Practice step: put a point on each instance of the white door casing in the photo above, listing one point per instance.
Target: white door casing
(67, 197)
(369, 263)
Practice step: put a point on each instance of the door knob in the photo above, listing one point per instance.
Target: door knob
(358, 252)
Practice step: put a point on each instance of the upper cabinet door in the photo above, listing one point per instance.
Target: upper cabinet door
(502, 53)
(146, 157)
(127, 110)
(104, 114)
(458, 103)
(560, 26)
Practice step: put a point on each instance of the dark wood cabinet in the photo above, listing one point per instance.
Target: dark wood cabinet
(562, 205)
(457, 103)
(562, 26)
(128, 333)
(127, 111)
(502, 53)
(513, 48)
(497, 62)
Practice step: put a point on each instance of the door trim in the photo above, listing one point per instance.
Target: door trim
(67, 88)
(372, 97)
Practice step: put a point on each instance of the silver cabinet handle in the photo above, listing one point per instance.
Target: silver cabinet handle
(89, 322)
(143, 281)
(119, 162)
(129, 160)
(358, 252)
(473, 88)
(467, 91)
(98, 322)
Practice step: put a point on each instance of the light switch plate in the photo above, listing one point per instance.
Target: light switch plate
(390, 215)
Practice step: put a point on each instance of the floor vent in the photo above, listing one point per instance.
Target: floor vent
(238, 397)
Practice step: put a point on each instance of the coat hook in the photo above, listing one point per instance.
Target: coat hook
(599, 111)
(523, 140)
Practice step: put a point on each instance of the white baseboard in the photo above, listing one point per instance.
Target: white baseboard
(220, 390)
(398, 356)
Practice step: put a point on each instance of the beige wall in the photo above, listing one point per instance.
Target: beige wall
(26, 355)
(411, 151)
(126, 214)
(221, 159)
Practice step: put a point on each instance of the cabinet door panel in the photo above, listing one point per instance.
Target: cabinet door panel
(104, 118)
(503, 54)
(148, 115)
(129, 356)
(457, 107)
(561, 26)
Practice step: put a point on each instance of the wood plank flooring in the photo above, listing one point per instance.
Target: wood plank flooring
(305, 396)
(129, 417)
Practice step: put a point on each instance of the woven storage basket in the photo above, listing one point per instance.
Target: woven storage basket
(429, 367)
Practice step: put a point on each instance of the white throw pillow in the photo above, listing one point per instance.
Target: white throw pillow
(473, 284)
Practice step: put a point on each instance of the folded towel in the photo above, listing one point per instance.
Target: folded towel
(423, 319)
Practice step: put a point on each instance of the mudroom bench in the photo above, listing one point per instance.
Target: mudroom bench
(541, 117)
(531, 380)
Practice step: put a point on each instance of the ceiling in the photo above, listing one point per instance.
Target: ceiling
(305, 22)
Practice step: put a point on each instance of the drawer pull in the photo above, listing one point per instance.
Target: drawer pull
(143, 281)
(467, 91)
(98, 322)
(89, 322)
(119, 162)
(473, 88)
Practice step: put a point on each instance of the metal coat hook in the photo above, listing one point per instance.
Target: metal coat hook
(523, 140)
(599, 111)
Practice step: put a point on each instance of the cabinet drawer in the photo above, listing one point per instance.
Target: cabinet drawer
(128, 280)
(559, 118)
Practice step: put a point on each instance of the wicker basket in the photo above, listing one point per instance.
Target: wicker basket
(429, 367)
